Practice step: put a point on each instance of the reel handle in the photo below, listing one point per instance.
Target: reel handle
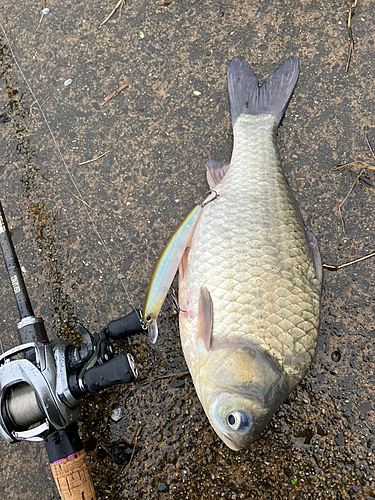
(119, 370)
(126, 326)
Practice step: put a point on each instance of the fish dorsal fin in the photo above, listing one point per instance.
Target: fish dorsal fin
(215, 172)
(205, 317)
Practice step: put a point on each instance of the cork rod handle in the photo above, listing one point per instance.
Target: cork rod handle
(73, 478)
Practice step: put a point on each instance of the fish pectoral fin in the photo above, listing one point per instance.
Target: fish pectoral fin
(205, 317)
(215, 172)
(317, 259)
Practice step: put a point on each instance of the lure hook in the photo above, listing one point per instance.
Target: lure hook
(172, 293)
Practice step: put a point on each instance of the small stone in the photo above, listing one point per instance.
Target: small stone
(116, 414)
(163, 487)
(196, 92)
(364, 408)
(176, 383)
(336, 356)
(339, 439)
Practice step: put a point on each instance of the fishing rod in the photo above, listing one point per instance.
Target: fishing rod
(42, 381)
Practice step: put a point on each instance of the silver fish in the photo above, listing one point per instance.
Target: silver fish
(250, 280)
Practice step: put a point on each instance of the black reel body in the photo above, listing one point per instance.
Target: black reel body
(41, 383)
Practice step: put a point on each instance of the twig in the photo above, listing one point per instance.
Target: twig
(369, 145)
(157, 98)
(162, 377)
(337, 166)
(41, 17)
(79, 199)
(351, 44)
(115, 93)
(340, 266)
(111, 14)
(363, 167)
(40, 22)
(121, 7)
(132, 455)
(35, 102)
(94, 159)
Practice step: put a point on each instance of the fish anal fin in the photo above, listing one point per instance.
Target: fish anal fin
(205, 318)
(215, 172)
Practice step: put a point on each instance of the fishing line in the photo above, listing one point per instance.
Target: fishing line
(101, 240)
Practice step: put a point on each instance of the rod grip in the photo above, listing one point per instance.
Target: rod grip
(73, 478)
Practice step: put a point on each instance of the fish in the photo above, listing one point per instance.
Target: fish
(250, 276)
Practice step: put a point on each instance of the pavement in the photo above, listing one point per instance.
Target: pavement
(158, 132)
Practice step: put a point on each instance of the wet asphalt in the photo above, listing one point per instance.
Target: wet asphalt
(159, 131)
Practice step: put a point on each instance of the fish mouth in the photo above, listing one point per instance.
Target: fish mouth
(227, 440)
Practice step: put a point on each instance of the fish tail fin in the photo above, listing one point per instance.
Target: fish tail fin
(247, 97)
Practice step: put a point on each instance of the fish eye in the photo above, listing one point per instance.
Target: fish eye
(239, 421)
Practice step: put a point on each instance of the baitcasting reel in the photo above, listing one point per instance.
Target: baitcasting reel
(42, 382)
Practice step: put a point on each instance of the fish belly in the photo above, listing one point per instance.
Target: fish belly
(249, 250)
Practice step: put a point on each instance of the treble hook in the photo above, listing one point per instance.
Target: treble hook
(206, 202)
(172, 293)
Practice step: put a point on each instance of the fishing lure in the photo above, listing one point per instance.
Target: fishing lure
(165, 270)
(167, 265)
